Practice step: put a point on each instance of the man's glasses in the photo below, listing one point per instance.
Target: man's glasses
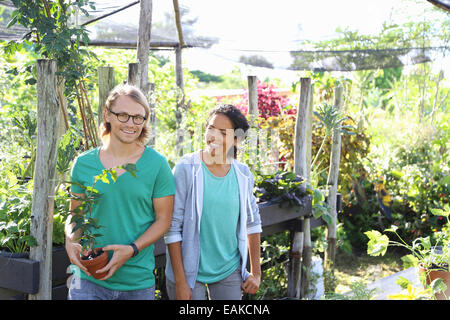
(124, 117)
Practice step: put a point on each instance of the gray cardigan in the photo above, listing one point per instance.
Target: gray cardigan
(187, 213)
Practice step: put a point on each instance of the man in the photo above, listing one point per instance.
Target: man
(134, 211)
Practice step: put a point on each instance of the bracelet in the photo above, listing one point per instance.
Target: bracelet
(135, 249)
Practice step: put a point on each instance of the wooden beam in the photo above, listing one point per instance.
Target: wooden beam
(132, 44)
(44, 175)
(176, 9)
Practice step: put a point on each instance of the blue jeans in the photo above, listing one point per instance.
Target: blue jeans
(81, 289)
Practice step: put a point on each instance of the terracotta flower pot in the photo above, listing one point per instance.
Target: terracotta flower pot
(94, 264)
(432, 275)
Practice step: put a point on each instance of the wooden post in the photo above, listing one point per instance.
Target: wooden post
(180, 100)
(253, 114)
(300, 128)
(106, 83)
(300, 169)
(179, 79)
(152, 121)
(332, 182)
(295, 265)
(306, 104)
(309, 121)
(133, 74)
(64, 117)
(143, 44)
(44, 175)
(252, 95)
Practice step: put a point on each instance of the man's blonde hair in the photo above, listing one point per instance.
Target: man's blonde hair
(134, 93)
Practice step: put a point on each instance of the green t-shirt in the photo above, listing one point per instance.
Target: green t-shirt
(125, 210)
(219, 252)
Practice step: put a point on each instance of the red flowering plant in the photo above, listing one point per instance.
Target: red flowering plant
(270, 102)
(276, 113)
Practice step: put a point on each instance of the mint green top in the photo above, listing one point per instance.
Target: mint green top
(125, 210)
(219, 252)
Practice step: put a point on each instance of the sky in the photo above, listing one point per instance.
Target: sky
(276, 26)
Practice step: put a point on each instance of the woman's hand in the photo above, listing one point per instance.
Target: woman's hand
(121, 255)
(251, 285)
(183, 291)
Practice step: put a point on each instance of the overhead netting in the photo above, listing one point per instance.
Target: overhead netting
(318, 35)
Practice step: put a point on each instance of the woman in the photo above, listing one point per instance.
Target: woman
(215, 222)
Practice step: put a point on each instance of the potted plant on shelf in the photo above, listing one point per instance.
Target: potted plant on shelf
(93, 258)
(290, 190)
(283, 188)
(432, 260)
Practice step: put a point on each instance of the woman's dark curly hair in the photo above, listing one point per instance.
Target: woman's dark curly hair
(237, 118)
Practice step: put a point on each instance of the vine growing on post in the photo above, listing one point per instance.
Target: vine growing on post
(52, 35)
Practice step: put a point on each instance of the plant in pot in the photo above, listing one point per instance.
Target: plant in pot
(289, 189)
(431, 259)
(93, 257)
(281, 187)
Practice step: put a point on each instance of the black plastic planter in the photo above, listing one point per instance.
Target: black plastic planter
(276, 219)
(19, 274)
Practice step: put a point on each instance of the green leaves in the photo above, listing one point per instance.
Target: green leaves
(438, 285)
(53, 36)
(330, 117)
(283, 187)
(410, 261)
(442, 212)
(15, 236)
(320, 208)
(67, 150)
(378, 243)
(131, 168)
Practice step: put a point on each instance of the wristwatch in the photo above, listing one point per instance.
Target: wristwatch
(135, 249)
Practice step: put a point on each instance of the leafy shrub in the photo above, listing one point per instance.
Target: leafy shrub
(418, 178)
(274, 255)
(15, 213)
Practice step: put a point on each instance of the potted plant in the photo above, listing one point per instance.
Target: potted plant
(289, 190)
(432, 260)
(93, 258)
(282, 187)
